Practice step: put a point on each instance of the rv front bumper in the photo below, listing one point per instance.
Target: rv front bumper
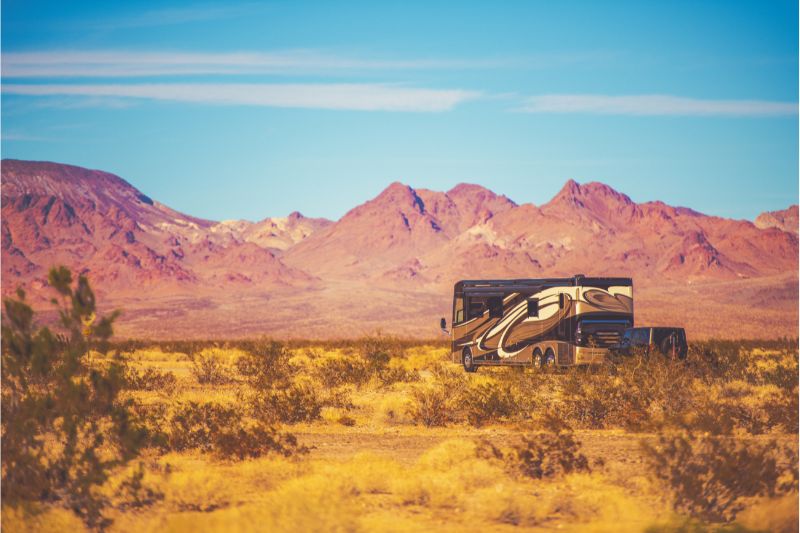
(589, 356)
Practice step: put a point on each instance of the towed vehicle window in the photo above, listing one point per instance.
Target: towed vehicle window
(660, 334)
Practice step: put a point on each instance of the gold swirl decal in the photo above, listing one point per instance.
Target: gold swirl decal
(605, 301)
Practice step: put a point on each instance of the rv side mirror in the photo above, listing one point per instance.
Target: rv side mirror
(443, 324)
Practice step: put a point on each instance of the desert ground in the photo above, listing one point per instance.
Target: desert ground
(384, 434)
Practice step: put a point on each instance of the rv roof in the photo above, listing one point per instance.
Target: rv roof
(479, 285)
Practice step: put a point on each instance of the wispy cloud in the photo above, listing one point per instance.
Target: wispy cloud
(359, 97)
(8, 136)
(655, 104)
(132, 64)
(122, 63)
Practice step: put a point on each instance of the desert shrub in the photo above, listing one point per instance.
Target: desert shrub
(589, 402)
(739, 406)
(338, 370)
(265, 364)
(134, 493)
(376, 352)
(396, 374)
(396, 345)
(63, 425)
(369, 358)
(394, 408)
(635, 393)
(490, 401)
(209, 368)
(150, 379)
(452, 397)
(710, 475)
(778, 515)
(548, 454)
(151, 417)
(437, 403)
(730, 360)
(780, 370)
(294, 402)
(221, 430)
(339, 397)
(347, 420)
(718, 359)
(431, 406)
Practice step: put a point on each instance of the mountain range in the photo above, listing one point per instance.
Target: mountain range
(388, 264)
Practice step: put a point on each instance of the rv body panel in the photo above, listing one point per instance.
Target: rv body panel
(504, 322)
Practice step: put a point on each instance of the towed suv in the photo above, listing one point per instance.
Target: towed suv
(669, 342)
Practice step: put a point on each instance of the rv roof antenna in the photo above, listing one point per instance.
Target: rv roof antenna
(579, 279)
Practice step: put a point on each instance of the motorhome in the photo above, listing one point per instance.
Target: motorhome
(538, 322)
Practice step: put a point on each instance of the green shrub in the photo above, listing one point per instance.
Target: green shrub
(64, 427)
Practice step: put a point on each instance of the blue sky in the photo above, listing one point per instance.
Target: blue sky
(248, 110)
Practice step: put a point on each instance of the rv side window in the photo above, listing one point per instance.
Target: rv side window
(458, 310)
(533, 307)
(475, 307)
(496, 307)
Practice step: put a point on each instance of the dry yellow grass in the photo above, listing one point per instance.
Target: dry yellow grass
(372, 467)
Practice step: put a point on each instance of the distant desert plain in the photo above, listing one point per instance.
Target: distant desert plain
(389, 264)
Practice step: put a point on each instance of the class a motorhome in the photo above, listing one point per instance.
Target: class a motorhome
(538, 322)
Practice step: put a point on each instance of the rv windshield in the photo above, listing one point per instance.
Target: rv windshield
(476, 305)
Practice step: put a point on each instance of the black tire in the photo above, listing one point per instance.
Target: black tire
(468, 361)
(537, 361)
(549, 358)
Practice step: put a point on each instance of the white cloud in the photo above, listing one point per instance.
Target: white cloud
(6, 136)
(132, 64)
(359, 97)
(655, 104)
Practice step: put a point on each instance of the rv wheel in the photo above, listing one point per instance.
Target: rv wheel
(549, 357)
(537, 358)
(469, 364)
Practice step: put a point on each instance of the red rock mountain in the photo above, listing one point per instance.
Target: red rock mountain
(785, 219)
(389, 263)
(98, 223)
(397, 226)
